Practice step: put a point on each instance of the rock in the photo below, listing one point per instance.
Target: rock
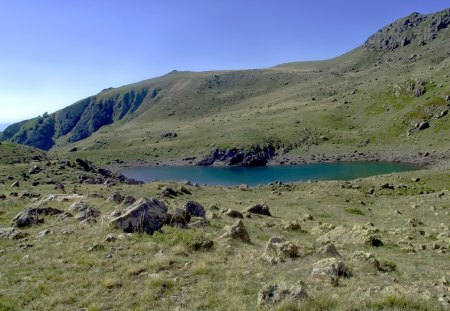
(44, 233)
(307, 217)
(422, 125)
(198, 222)
(2, 197)
(290, 225)
(145, 214)
(34, 170)
(443, 113)
(15, 184)
(84, 211)
(85, 165)
(178, 218)
(237, 232)
(128, 200)
(326, 251)
(168, 135)
(413, 222)
(28, 194)
(387, 186)
(110, 238)
(203, 245)
(185, 190)
(115, 197)
(276, 293)
(279, 249)
(327, 271)
(367, 259)
(168, 192)
(234, 214)
(60, 186)
(194, 209)
(12, 233)
(32, 216)
(260, 209)
(342, 235)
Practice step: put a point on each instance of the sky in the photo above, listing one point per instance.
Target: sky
(54, 53)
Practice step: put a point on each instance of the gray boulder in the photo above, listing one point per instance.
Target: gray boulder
(34, 215)
(279, 249)
(260, 209)
(327, 271)
(145, 215)
(237, 232)
(194, 209)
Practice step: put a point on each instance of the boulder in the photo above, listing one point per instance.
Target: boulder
(413, 222)
(178, 218)
(327, 271)
(32, 216)
(194, 209)
(237, 232)
(260, 209)
(290, 225)
(365, 259)
(12, 233)
(422, 125)
(115, 197)
(128, 200)
(145, 215)
(279, 249)
(15, 184)
(327, 251)
(34, 170)
(84, 211)
(276, 293)
(234, 214)
(168, 192)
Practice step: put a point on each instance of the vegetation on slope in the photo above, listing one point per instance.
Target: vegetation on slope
(356, 101)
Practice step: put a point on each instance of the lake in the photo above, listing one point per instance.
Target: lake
(252, 176)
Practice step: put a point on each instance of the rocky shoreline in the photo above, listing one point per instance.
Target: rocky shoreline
(426, 159)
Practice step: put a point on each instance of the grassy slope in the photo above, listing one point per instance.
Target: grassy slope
(161, 272)
(288, 105)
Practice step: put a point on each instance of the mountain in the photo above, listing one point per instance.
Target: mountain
(391, 93)
(4, 125)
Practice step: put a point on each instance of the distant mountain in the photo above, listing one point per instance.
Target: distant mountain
(373, 97)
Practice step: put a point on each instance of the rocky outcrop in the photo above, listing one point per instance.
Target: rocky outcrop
(256, 157)
(342, 235)
(79, 120)
(34, 215)
(84, 211)
(415, 28)
(145, 215)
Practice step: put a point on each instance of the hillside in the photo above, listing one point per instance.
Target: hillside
(388, 94)
(379, 243)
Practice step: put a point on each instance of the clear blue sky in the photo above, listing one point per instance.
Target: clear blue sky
(55, 52)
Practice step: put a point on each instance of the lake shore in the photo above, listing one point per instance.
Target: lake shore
(426, 159)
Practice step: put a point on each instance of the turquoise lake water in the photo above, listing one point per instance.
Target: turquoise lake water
(252, 176)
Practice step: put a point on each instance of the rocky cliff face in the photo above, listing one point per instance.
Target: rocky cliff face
(415, 28)
(79, 120)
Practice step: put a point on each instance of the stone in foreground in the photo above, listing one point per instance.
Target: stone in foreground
(327, 271)
(237, 232)
(275, 293)
(145, 215)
